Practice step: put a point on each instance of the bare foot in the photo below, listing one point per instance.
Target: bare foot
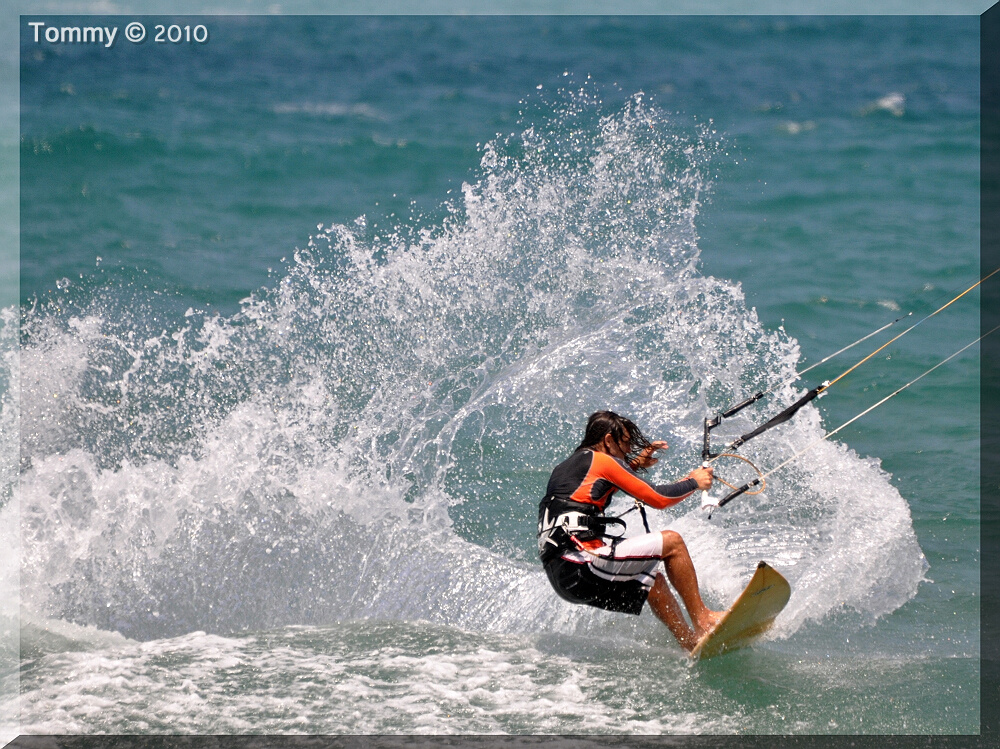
(707, 623)
(688, 642)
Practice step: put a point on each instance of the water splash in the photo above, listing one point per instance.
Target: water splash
(351, 441)
(10, 542)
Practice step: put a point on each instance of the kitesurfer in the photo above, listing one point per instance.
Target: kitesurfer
(587, 565)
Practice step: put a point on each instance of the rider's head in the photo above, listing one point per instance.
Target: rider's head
(624, 432)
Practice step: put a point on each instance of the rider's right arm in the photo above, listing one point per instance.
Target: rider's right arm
(659, 497)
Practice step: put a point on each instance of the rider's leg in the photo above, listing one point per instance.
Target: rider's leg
(662, 603)
(680, 571)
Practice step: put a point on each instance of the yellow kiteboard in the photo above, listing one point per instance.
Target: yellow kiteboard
(750, 617)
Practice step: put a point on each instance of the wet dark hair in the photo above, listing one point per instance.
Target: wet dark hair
(602, 423)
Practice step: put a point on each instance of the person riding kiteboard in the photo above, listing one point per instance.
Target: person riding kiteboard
(588, 566)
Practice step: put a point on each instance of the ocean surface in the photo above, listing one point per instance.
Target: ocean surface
(308, 312)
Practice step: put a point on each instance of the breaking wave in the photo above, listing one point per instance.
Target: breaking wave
(370, 436)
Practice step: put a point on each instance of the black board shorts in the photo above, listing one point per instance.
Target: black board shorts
(576, 583)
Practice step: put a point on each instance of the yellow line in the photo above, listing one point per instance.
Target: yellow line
(880, 348)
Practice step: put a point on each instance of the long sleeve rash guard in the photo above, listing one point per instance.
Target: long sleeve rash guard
(586, 481)
(590, 479)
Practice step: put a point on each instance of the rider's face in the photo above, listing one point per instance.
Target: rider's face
(618, 448)
(623, 445)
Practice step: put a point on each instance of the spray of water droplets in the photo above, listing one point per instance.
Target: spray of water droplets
(306, 460)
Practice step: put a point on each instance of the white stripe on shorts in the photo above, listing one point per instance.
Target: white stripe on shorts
(634, 559)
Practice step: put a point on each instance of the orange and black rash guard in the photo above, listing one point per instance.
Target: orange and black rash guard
(586, 481)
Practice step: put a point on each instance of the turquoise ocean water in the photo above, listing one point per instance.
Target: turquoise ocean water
(310, 310)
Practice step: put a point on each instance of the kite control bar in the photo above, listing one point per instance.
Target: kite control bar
(781, 418)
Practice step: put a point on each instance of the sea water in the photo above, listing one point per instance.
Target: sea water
(309, 311)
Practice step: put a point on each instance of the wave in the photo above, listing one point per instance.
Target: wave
(370, 437)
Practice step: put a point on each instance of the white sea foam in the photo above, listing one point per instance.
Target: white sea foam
(894, 103)
(301, 461)
(357, 679)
